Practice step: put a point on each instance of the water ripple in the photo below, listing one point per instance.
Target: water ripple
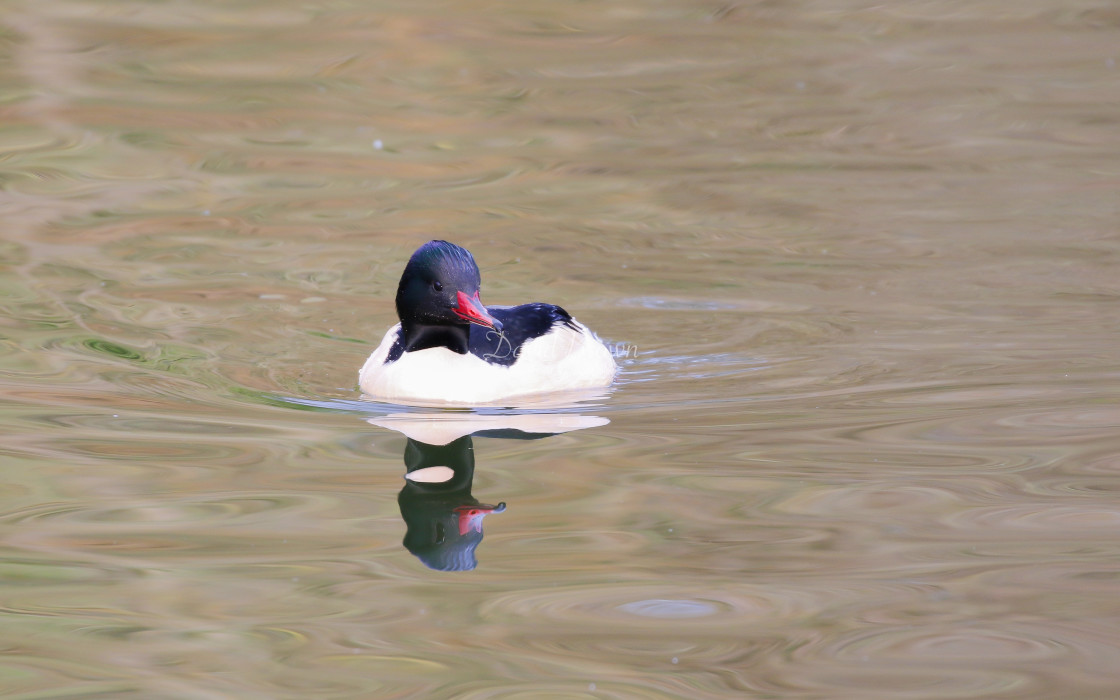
(637, 609)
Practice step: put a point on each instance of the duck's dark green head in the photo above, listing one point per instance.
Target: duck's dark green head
(440, 286)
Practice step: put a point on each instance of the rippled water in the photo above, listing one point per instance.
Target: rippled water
(860, 262)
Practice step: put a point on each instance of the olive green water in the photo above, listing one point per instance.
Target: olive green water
(861, 262)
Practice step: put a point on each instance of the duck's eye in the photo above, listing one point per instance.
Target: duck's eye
(438, 286)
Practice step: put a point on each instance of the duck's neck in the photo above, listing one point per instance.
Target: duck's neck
(421, 336)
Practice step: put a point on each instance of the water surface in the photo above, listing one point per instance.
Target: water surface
(859, 261)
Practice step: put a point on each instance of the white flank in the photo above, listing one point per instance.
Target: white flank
(561, 360)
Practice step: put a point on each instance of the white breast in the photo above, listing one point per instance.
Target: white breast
(561, 360)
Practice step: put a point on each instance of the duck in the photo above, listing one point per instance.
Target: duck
(450, 348)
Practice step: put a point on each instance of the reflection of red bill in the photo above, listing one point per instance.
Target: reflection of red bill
(470, 517)
(471, 309)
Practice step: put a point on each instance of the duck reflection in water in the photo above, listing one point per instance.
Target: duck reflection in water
(443, 518)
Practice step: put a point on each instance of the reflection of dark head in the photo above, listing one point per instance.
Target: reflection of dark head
(444, 521)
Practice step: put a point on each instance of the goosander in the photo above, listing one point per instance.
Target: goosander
(451, 349)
